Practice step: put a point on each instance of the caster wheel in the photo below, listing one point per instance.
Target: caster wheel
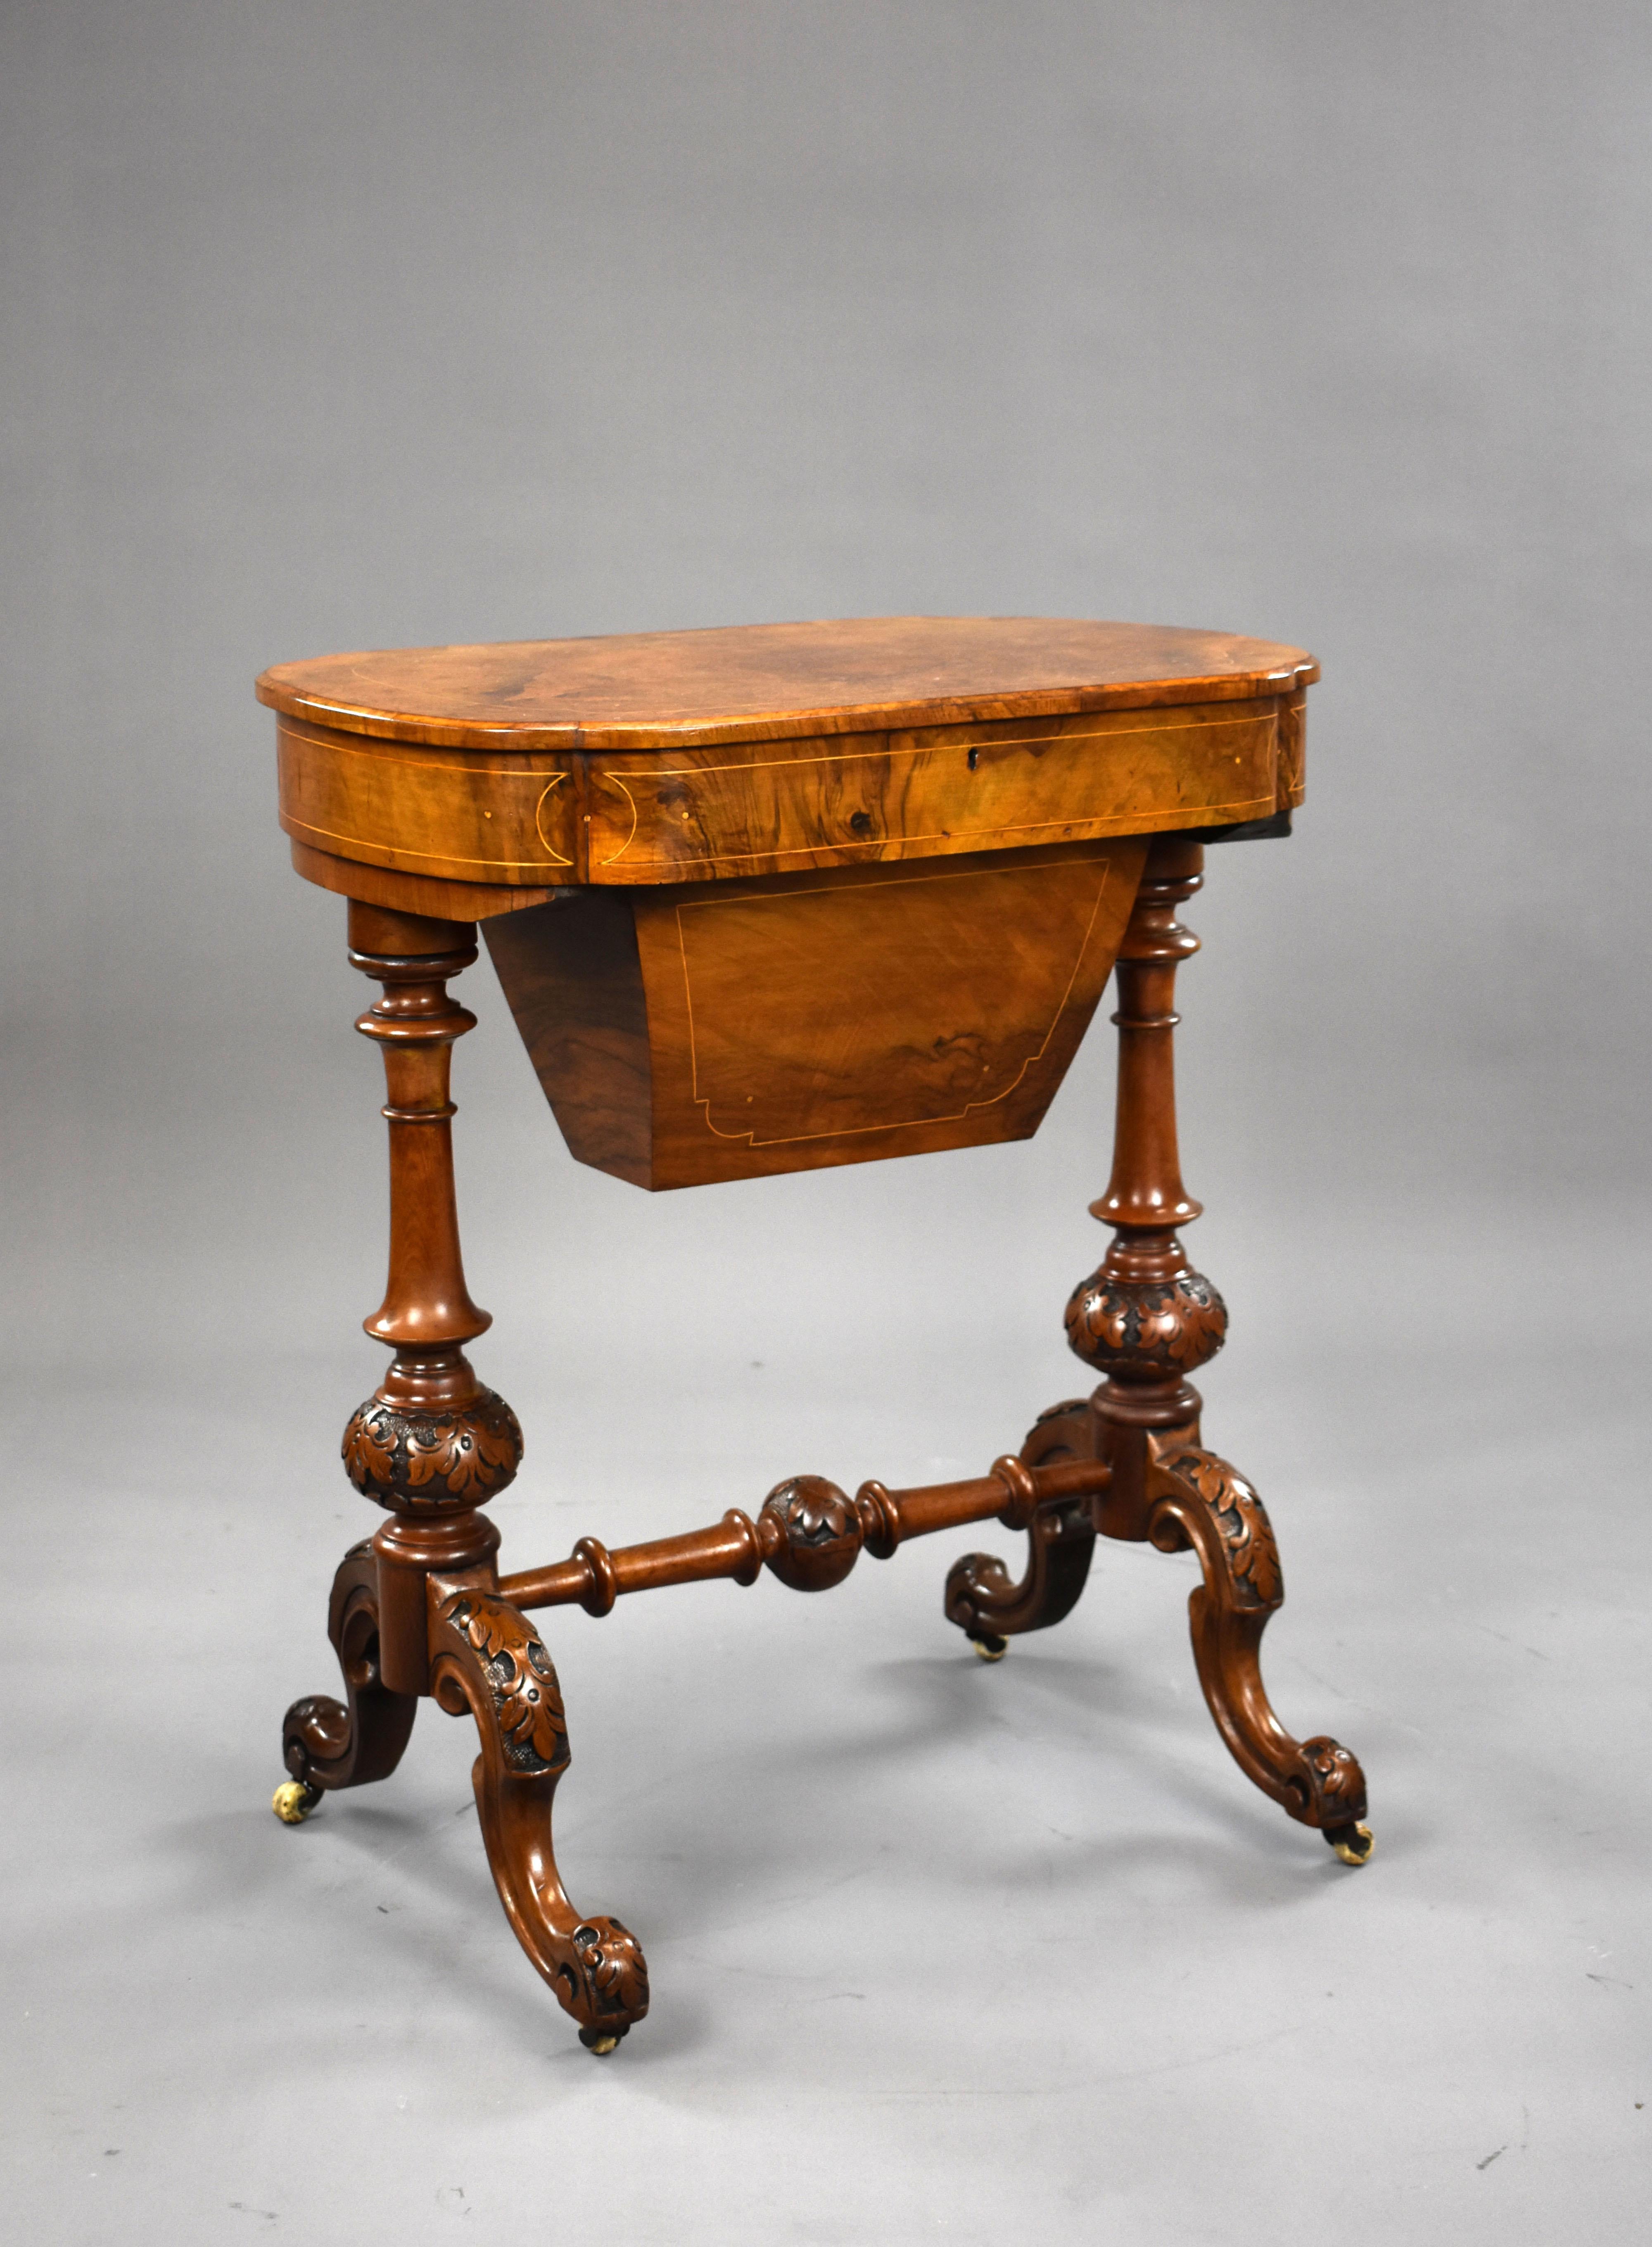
(1353, 1844)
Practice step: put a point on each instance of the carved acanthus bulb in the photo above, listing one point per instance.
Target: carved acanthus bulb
(1153, 1329)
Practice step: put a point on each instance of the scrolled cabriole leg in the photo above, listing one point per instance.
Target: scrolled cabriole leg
(487, 1660)
(987, 1603)
(326, 1745)
(1197, 1500)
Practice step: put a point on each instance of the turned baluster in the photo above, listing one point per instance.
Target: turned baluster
(430, 1444)
(1147, 1319)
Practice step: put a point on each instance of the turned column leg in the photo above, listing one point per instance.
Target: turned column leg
(1147, 1319)
(416, 1610)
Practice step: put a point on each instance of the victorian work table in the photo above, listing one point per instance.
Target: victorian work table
(763, 900)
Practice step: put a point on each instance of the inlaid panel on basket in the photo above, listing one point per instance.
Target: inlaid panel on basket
(732, 1029)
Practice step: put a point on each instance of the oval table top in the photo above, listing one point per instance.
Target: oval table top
(763, 682)
(464, 781)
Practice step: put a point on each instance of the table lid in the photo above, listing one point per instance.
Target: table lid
(757, 682)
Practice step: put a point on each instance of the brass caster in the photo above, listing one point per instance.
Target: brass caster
(602, 2045)
(1353, 1844)
(990, 1648)
(293, 1801)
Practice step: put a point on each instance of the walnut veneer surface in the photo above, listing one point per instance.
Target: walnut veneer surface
(663, 690)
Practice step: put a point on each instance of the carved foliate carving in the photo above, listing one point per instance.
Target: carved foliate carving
(527, 1699)
(488, 1659)
(433, 1462)
(315, 1727)
(1165, 1327)
(812, 1533)
(604, 1978)
(1254, 1577)
(979, 1588)
(1045, 1440)
(1201, 1500)
(1336, 1784)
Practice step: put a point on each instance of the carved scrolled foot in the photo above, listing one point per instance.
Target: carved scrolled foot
(324, 1744)
(987, 1603)
(1197, 1499)
(487, 1660)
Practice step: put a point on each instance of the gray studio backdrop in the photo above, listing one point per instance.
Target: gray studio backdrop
(349, 325)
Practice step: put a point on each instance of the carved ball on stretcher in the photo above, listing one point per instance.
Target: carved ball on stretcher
(811, 1533)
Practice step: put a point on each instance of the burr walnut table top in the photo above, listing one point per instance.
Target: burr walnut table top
(466, 781)
(760, 682)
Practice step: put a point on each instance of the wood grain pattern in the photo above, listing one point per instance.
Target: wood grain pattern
(492, 824)
(572, 975)
(763, 682)
(427, 897)
(771, 807)
(711, 1031)
(797, 1021)
(449, 813)
(691, 756)
(1293, 752)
